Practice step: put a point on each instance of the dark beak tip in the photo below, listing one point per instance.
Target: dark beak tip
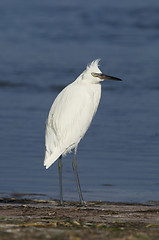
(114, 78)
(108, 77)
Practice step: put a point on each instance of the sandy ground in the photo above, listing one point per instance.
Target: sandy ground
(35, 219)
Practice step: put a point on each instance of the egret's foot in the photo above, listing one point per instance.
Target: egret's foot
(61, 203)
(82, 203)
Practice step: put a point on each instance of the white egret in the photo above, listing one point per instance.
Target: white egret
(70, 116)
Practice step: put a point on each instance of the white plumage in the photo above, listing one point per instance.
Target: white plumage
(72, 112)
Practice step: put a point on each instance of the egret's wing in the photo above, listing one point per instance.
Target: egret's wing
(69, 119)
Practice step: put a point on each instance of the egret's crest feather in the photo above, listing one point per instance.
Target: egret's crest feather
(93, 66)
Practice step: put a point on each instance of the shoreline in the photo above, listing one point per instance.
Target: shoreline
(32, 219)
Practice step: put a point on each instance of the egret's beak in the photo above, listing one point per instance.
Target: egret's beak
(105, 77)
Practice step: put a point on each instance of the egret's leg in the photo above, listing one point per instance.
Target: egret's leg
(60, 178)
(74, 165)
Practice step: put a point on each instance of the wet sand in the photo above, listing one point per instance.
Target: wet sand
(35, 219)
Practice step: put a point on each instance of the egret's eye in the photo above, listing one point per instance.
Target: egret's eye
(95, 74)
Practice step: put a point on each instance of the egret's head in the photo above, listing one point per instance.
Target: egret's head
(94, 75)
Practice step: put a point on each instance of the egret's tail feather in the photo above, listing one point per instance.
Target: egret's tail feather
(50, 159)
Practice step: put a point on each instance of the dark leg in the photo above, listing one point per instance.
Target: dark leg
(74, 165)
(60, 178)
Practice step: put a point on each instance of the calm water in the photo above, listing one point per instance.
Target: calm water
(44, 46)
